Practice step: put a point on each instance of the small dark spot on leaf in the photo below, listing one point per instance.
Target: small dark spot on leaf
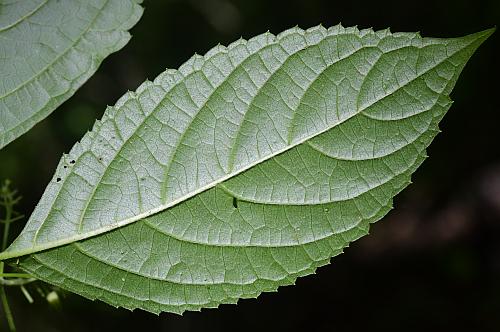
(235, 202)
(58, 180)
(65, 166)
(72, 162)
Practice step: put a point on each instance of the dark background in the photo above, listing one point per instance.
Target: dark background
(432, 264)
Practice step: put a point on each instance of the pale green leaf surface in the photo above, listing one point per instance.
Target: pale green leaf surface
(49, 48)
(243, 170)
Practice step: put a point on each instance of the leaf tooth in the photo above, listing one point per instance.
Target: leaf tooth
(338, 27)
(192, 65)
(336, 30)
(121, 101)
(383, 33)
(351, 30)
(143, 87)
(289, 32)
(167, 79)
(236, 43)
(98, 124)
(157, 312)
(315, 34)
(263, 38)
(218, 49)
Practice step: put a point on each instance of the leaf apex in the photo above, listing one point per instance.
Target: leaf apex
(488, 32)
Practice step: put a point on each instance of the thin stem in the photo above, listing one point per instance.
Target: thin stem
(3, 295)
(5, 234)
(27, 294)
(6, 226)
(16, 282)
(16, 218)
(8, 202)
(6, 309)
(16, 275)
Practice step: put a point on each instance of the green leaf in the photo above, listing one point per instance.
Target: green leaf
(243, 170)
(49, 48)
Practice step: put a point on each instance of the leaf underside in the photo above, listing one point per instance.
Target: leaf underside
(49, 48)
(243, 170)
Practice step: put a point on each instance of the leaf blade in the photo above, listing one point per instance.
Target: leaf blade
(285, 222)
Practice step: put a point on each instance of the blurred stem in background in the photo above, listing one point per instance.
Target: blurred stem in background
(8, 200)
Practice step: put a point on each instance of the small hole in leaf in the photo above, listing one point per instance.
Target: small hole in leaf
(65, 166)
(235, 202)
(58, 180)
(72, 162)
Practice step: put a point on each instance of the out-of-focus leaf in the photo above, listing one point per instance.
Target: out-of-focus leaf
(49, 48)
